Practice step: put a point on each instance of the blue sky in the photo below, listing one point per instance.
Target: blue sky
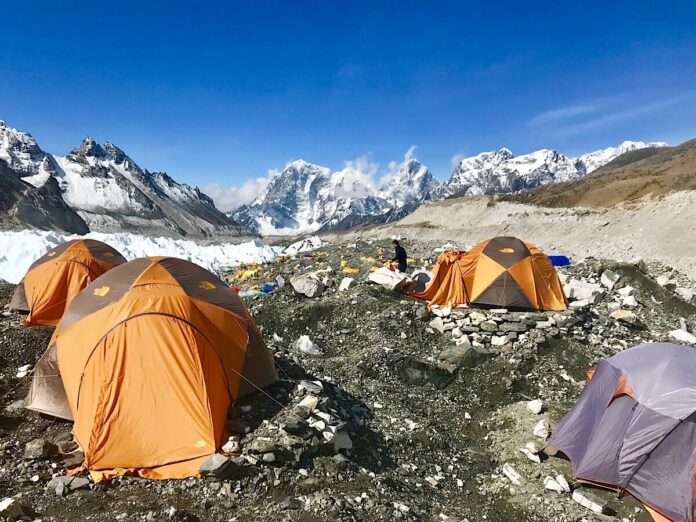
(223, 92)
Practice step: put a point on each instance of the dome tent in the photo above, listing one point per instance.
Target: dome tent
(150, 357)
(633, 429)
(56, 277)
(503, 272)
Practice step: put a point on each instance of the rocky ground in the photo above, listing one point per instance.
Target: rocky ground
(384, 411)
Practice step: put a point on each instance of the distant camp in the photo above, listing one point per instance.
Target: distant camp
(56, 277)
(147, 360)
(633, 429)
(503, 272)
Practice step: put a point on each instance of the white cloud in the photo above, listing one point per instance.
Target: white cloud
(231, 198)
(561, 114)
(619, 116)
(457, 159)
(394, 166)
(358, 178)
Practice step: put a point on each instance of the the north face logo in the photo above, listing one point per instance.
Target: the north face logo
(507, 250)
(101, 292)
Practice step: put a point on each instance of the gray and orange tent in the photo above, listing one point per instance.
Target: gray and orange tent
(633, 429)
(503, 272)
(147, 360)
(56, 277)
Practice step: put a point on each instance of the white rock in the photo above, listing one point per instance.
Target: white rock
(305, 345)
(277, 338)
(499, 340)
(683, 336)
(310, 402)
(587, 501)
(687, 294)
(629, 301)
(463, 341)
(609, 279)
(563, 482)
(626, 291)
(512, 475)
(24, 368)
(345, 284)
(666, 282)
(437, 324)
(542, 429)
(307, 285)
(388, 279)
(551, 484)
(10, 508)
(531, 455)
(536, 406)
(281, 281)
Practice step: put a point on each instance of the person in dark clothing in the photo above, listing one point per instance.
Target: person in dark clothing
(400, 256)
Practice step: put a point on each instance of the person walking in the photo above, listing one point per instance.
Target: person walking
(399, 257)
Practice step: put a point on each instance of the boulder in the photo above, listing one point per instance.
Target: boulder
(687, 294)
(11, 508)
(305, 345)
(388, 279)
(666, 282)
(218, 467)
(464, 355)
(437, 324)
(39, 449)
(307, 285)
(626, 316)
(609, 279)
(683, 336)
(345, 284)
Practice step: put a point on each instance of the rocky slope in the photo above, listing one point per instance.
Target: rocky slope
(641, 174)
(22, 204)
(431, 407)
(111, 193)
(305, 197)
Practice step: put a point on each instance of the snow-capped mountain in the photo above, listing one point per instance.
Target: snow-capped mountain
(501, 172)
(111, 193)
(305, 197)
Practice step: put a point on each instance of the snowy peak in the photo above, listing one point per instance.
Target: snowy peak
(111, 193)
(598, 158)
(20, 151)
(502, 172)
(412, 182)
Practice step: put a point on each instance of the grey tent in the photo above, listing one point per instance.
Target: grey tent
(633, 429)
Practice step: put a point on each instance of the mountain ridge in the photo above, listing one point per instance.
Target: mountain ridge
(305, 197)
(111, 193)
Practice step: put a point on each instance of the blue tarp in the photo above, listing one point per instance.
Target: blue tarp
(559, 260)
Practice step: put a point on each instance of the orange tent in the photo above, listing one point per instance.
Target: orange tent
(151, 355)
(503, 272)
(56, 277)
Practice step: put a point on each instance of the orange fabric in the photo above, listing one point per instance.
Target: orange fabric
(623, 388)
(657, 517)
(150, 377)
(50, 286)
(520, 273)
(462, 277)
(486, 272)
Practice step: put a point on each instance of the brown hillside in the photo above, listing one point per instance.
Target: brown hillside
(635, 175)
